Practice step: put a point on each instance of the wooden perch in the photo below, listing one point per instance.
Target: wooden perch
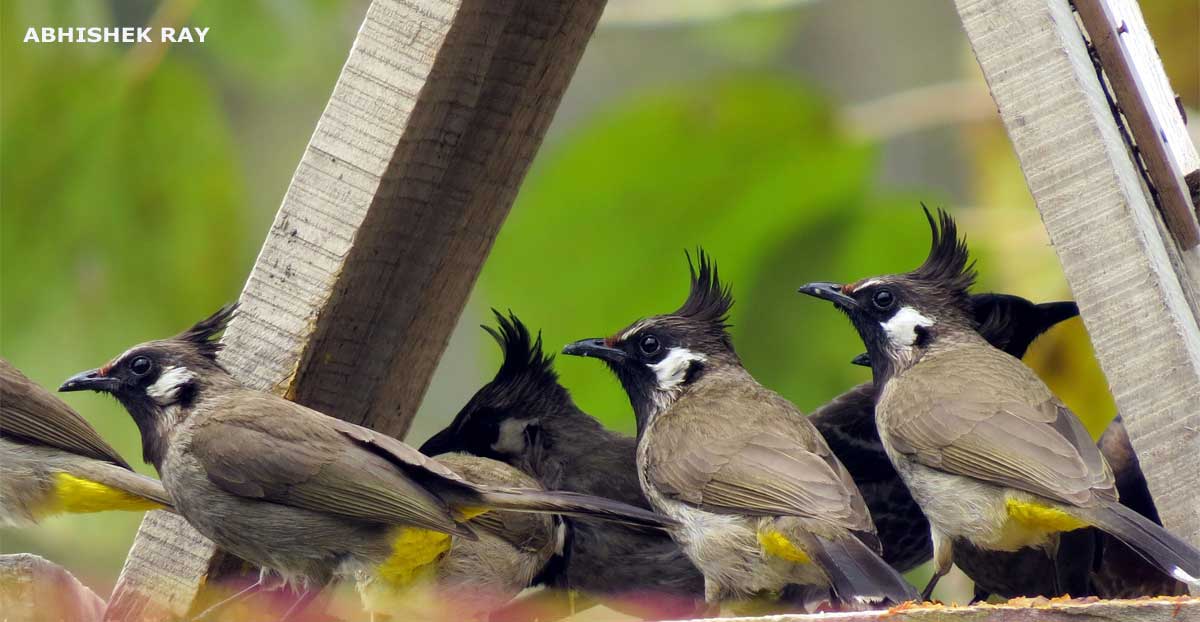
(1135, 295)
(33, 589)
(1171, 609)
(408, 176)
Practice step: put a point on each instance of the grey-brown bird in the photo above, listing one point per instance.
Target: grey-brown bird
(762, 500)
(474, 577)
(52, 461)
(988, 452)
(847, 422)
(525, 417)
(307, 496)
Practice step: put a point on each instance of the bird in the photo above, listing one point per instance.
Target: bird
(1010, 323)
(986, 449)
(764, 504)
(305, 496)
(847, 422)
(526, 418)
(52, 461)
(474, 577)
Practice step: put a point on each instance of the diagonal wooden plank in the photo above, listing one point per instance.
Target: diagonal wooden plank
(408, 176)
(1126, 272)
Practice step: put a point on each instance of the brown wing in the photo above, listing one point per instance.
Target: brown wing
(261, 446)
(761, 456)
(34, 415)
(981, 413)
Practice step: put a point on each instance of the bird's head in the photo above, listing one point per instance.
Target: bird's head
(899, 316)
(658, 358)
(503, 419)
(158, 381)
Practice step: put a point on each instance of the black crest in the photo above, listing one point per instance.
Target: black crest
(708, 301)
(524, 360)
(948, 263)
(203, 334)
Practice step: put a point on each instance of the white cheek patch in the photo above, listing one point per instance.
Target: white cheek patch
(674, 367)
(901, 328)
(165, 390)
(511, 437)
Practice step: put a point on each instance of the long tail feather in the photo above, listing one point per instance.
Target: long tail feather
(1170, 553)
(573, 504)
(133, 483)
(860, 576)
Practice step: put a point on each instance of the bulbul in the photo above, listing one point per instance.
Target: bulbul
(988, 452)
(52, 461)
(308, 496)
(526, 418)
(763, 501)
(1010, 323)
(847, 422)
(474, 577)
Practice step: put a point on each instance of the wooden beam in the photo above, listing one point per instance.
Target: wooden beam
(1168, 609)
(407, 178)
(1119, 34)
(1134, 294)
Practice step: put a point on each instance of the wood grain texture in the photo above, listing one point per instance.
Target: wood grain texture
(395, 204)
(33, 589)
(1139, 83)
(1157, 610)
(1123, 269)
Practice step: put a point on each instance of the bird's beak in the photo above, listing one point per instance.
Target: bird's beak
(441, 443)
(90, 380)
(831, 292)
(596, 348)
(862, 360)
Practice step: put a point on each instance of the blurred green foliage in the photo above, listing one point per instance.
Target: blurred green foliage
(137, 184)
(125, 203)
(754, 170)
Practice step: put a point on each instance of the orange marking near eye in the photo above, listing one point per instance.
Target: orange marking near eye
(103, 371)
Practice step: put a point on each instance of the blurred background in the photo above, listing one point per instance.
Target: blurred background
(792, 139)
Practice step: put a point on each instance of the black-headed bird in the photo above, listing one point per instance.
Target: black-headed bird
(988, 452)
(847, 422)
(526, 418)
(304, 495)
(762, 500)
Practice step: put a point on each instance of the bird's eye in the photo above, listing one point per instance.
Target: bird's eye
(140, 366)
(649, 345)
(883, 300)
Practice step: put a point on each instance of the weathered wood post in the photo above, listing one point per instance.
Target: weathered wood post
(1130, 256)
(407, 178)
